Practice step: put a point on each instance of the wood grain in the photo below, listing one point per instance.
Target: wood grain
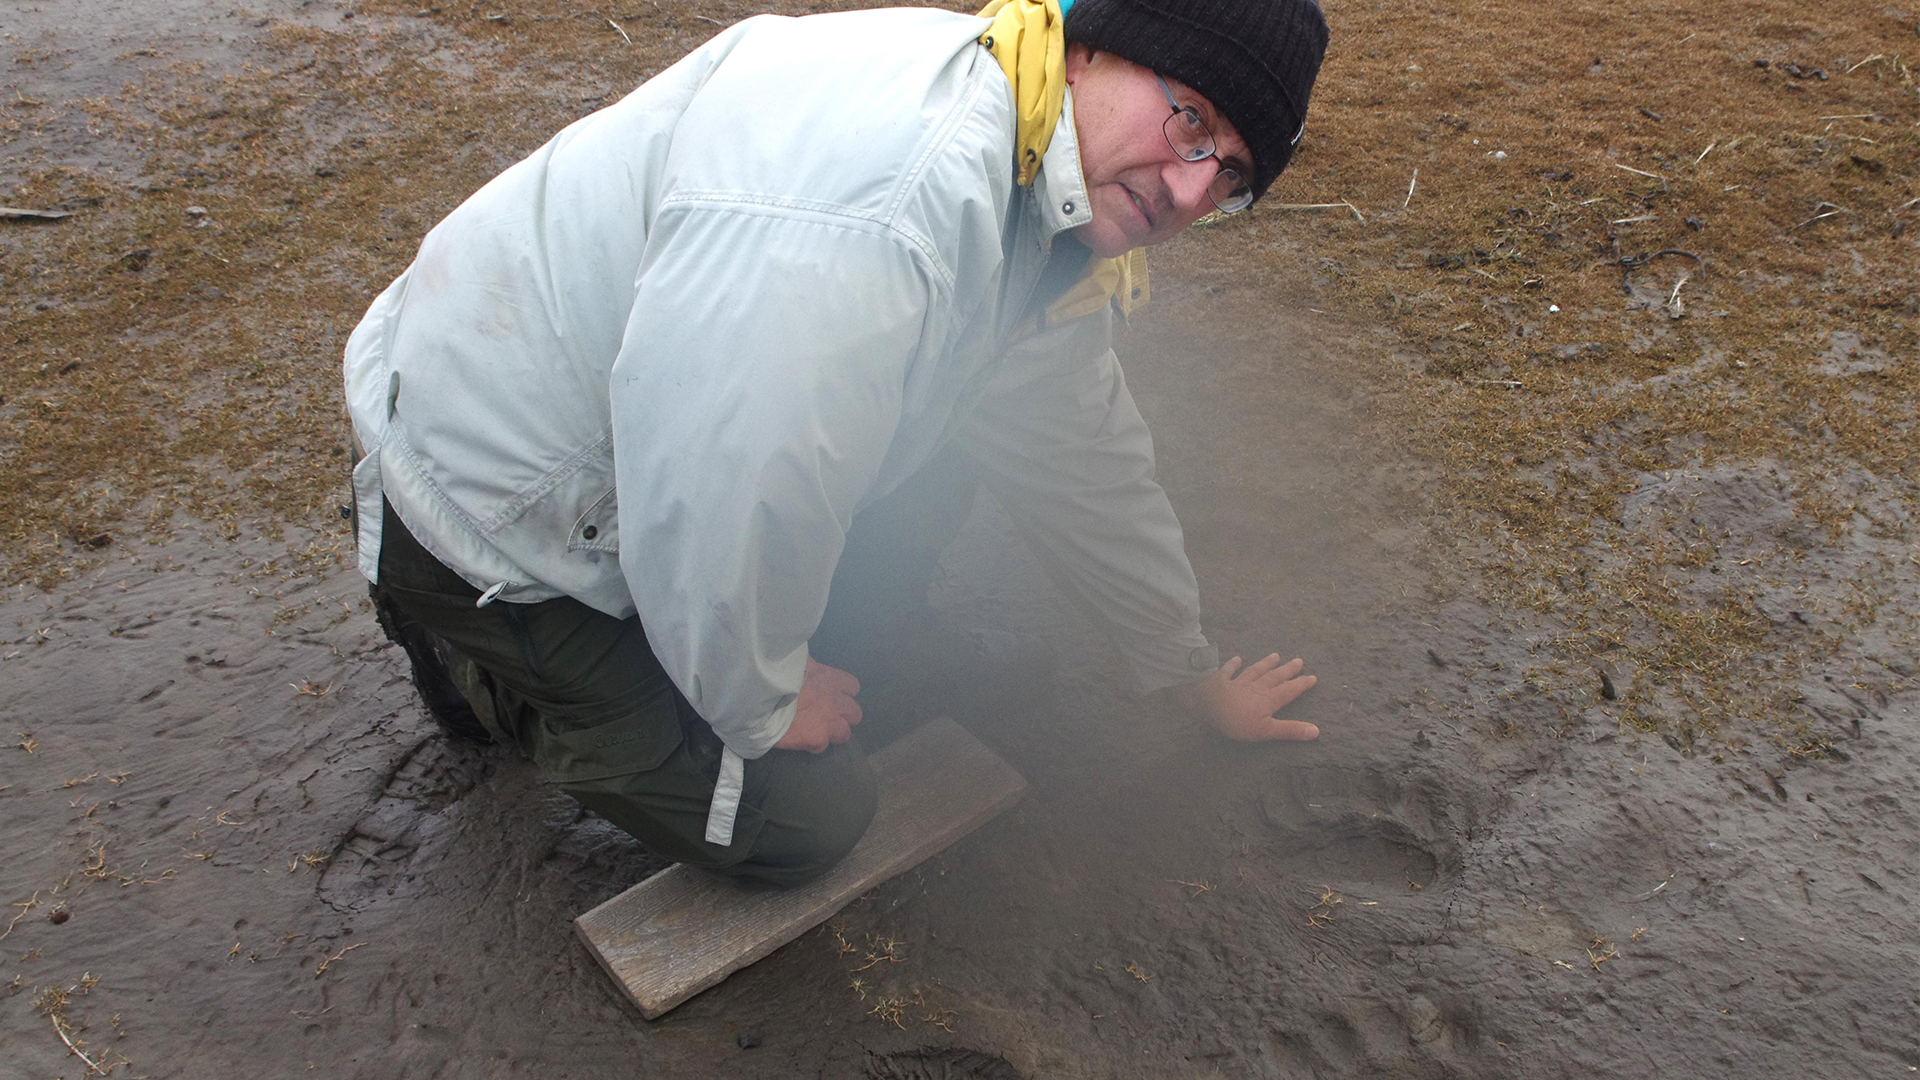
(683, 930)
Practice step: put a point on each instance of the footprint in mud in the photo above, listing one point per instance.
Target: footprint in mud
(1367, 1036)
(376, 858)
(939, 1063)
(1360, 827)
(593, 854)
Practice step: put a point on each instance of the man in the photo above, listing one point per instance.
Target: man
(665, 426)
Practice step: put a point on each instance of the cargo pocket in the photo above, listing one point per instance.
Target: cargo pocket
(633, 743)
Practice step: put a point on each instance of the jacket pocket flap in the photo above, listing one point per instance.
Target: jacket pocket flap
(598, 528)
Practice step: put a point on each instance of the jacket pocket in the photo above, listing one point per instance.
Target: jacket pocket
(598, 528)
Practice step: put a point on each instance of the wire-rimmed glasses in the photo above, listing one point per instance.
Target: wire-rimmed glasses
(1187, 134)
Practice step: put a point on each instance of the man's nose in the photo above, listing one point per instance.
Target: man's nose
(1188, 181)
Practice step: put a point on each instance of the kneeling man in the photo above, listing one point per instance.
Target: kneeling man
(663, 430)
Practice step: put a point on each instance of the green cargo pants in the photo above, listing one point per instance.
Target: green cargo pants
(582, 694)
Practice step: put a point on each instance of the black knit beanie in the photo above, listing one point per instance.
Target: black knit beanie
(1254, 59)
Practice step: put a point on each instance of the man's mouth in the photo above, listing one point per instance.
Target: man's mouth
(1140, 205)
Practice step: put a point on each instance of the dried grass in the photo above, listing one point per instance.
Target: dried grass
(1703, 223)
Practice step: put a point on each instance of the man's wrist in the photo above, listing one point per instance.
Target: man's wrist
(1203, 660)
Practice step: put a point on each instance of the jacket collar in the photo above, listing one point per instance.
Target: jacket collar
(1061, 188)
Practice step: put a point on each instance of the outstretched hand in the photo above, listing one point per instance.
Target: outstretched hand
(825, 712)
(1240, 703)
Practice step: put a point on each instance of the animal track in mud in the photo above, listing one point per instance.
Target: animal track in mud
(377, 856)
(1360, 827)
(939, 1063)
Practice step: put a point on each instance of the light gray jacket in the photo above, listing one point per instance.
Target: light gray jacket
(660, 364)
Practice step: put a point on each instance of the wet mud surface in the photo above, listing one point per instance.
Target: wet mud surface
(270, 858)
(235, 844)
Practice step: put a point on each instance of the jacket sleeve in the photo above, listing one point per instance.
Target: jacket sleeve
(757, 389)
(1063, 448)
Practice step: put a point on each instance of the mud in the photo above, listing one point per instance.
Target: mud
(270, 863)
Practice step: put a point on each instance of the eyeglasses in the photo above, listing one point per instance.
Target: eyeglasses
(1189, 137)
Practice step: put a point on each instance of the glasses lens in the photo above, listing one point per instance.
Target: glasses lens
(1188, 136)
(1230, 192)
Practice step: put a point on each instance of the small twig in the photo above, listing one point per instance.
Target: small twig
(1704, 153)
(1863, 63)
(1849, 116)
(1831, 210)
(1651, 893)
(61, 1030)
(715, 22)
(1198, 887)
(1814, 218)
(1640, 172)
(324, 964)
(1673, 301)
(1596, 957)
(17, 212)
(1631, 220)
(1410, 184)
(25, 906)
(623, 33)
(1323, 206)
(1511, 384)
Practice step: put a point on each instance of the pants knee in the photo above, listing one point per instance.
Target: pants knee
(812, 824)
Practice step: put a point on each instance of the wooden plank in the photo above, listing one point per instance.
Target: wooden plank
(683, 930)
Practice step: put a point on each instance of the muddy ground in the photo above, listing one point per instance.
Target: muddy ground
(1619, 736)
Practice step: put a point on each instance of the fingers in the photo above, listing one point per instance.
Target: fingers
(1292, 730)
(826, 677)
(1283, 694)
(1227, 669)
(1259, 668)
(1279, 673)
(1258, 728)
(815, 734)
(825, 712)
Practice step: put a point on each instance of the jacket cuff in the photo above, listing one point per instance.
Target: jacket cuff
(1157, 663)
(760, 739)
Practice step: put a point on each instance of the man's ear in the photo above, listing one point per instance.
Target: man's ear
(1078, 57)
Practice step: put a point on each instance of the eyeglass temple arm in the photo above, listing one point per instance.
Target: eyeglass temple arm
(1167, 90)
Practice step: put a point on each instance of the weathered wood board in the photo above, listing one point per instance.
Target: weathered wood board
(683, 930)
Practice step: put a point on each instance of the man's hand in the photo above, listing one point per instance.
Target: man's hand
(825, 712)
(1240, 704)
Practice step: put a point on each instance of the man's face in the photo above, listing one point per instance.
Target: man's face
(1139, 190)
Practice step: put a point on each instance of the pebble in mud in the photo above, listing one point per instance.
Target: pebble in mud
(748, 1040)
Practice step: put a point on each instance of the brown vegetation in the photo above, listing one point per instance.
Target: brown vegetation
(1638, 241)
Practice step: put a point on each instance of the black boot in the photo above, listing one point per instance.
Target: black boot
(432, 659)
